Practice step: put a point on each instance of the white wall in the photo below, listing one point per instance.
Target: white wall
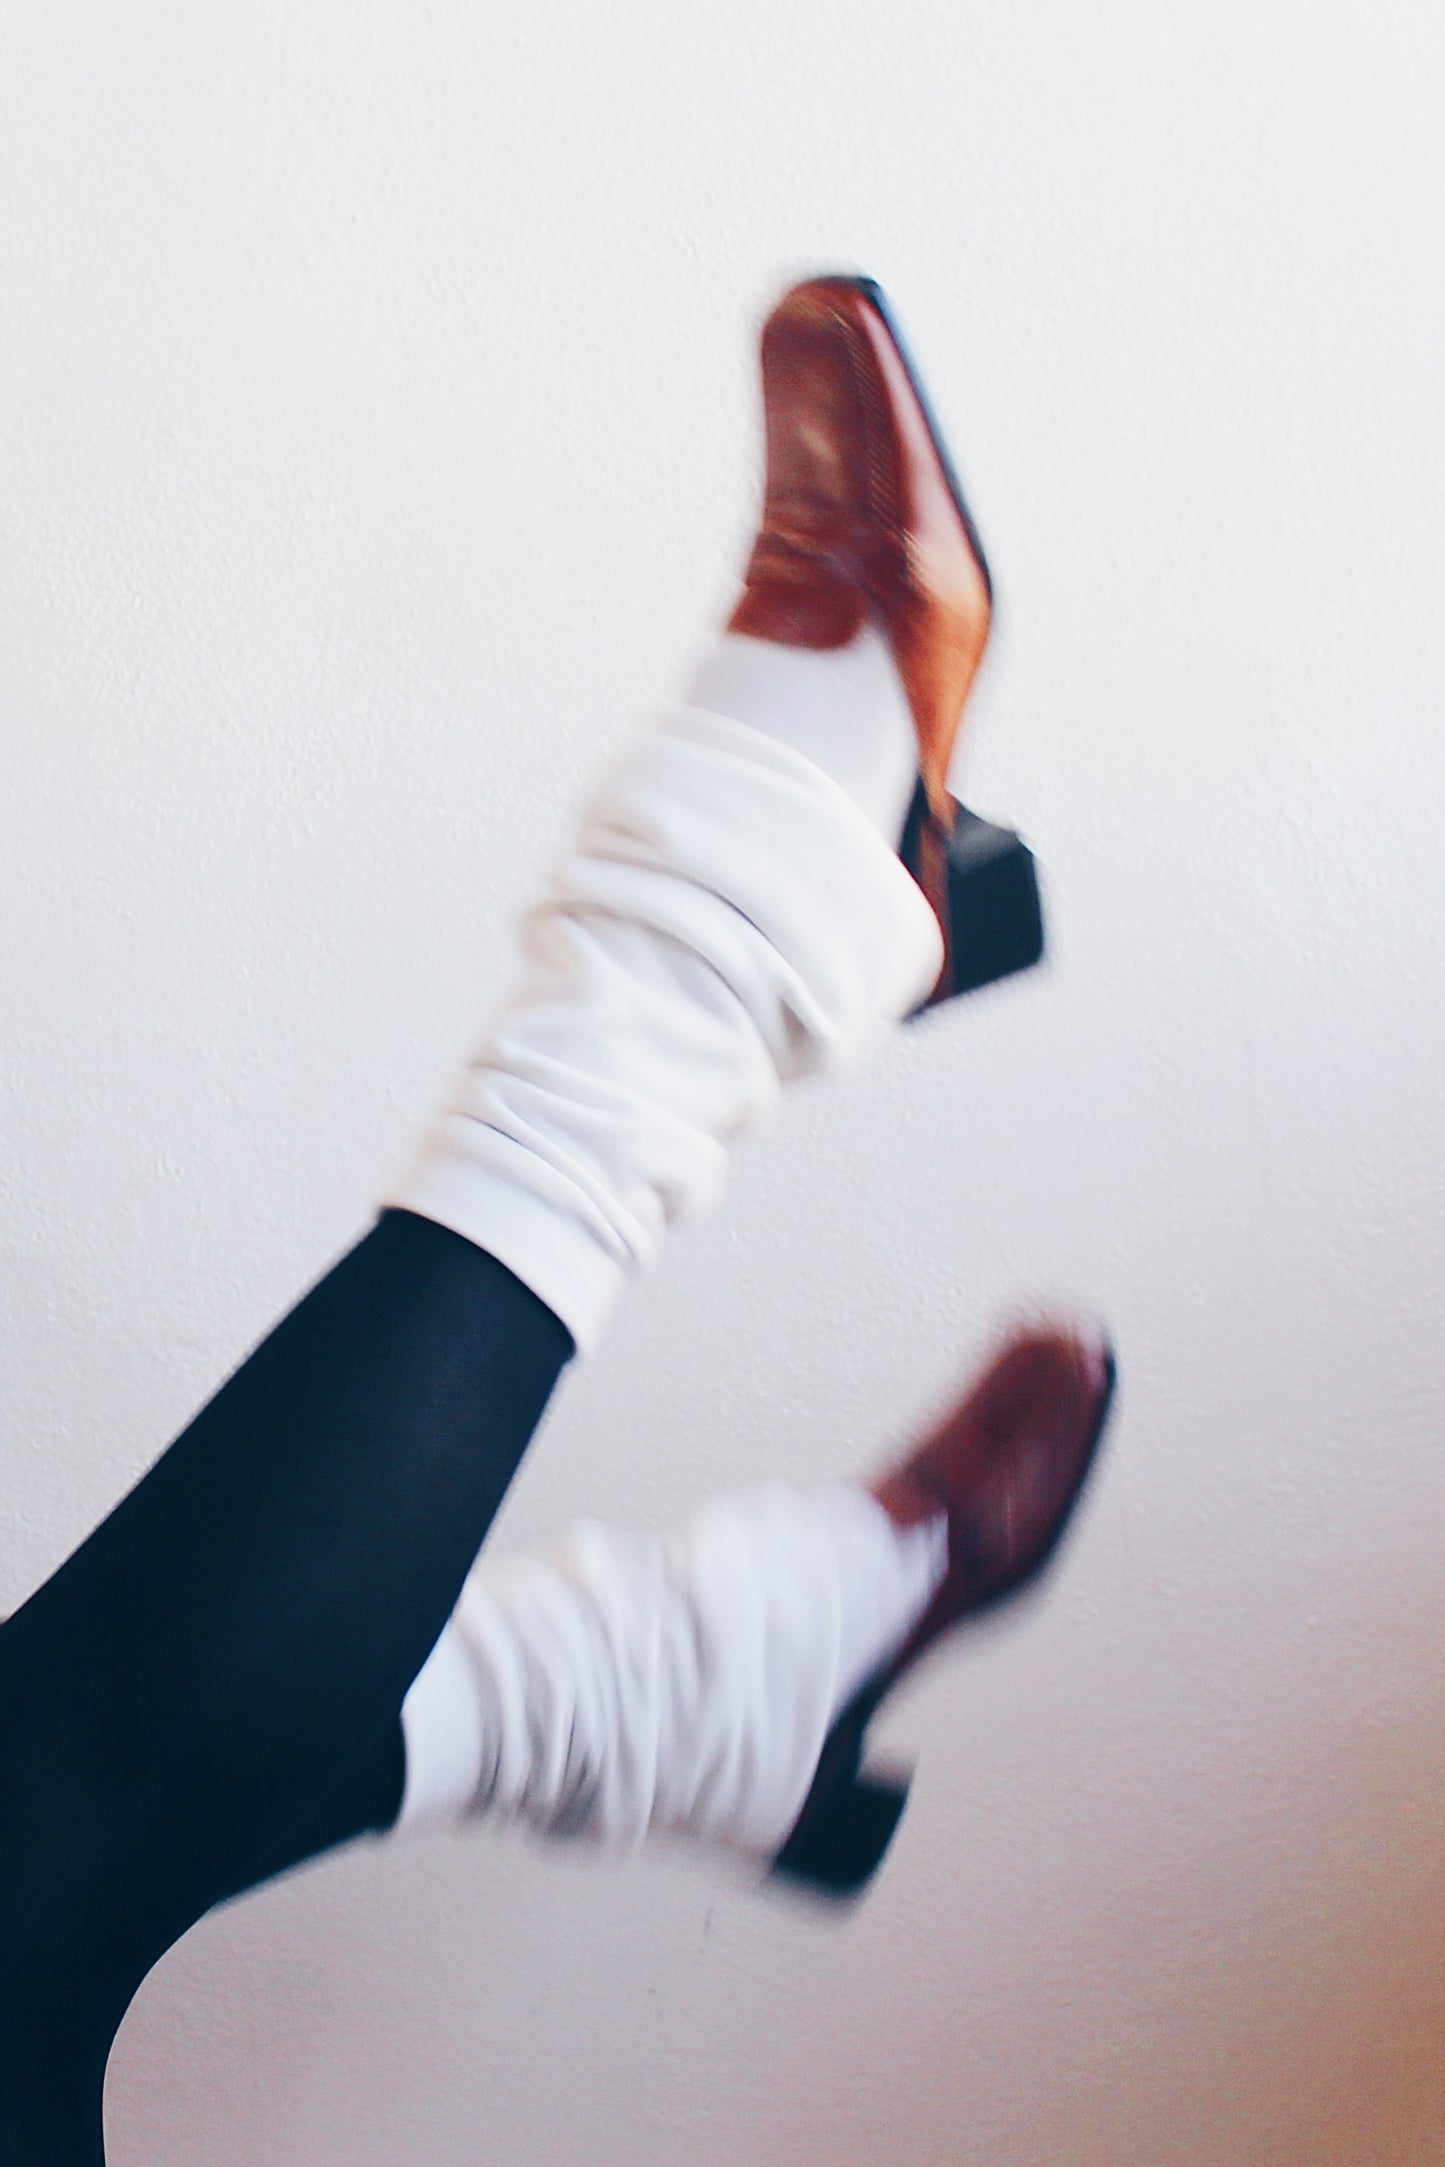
(378, 425)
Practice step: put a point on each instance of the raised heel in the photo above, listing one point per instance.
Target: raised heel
(983, 885)
(839, 1839)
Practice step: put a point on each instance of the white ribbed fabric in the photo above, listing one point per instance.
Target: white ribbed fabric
(631, 1685)
(728, 920)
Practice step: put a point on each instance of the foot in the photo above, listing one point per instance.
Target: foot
(1004, 1469)
(864, 527)
(863, 519)
(716, 1683)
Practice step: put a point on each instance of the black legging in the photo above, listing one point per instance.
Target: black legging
(210, 1688)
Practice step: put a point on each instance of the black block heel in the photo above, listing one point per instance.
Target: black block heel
(839, 1840)
(984, 888)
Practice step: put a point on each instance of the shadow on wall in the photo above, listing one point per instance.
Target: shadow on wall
(1266, 1993)
(1303, 2026)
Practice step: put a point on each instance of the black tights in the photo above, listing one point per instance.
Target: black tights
(210, 1688)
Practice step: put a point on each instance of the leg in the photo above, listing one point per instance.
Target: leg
(713, 1683)
(189, 1691)
(181, 1699)
(186, 1703)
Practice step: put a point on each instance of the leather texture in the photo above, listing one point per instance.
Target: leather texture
(862, 516)
(1006, 1466)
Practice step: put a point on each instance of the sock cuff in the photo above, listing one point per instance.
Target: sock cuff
(441, 1728)
(482, 1184)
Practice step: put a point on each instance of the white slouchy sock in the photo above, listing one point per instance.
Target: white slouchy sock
(631, 1685)
(729, 918)
(844, 708)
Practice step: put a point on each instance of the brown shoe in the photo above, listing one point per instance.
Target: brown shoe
(864, 521)
(1006, 1466)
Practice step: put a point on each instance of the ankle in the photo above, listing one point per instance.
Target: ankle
(887, 1575)
(843, 708)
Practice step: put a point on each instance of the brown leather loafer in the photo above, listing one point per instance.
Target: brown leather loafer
(864, 521)
(1006, 1466)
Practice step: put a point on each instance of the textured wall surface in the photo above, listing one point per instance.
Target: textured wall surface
(378, 428)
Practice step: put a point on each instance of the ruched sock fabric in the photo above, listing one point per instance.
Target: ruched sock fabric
(728, 922)
(631, 1685)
